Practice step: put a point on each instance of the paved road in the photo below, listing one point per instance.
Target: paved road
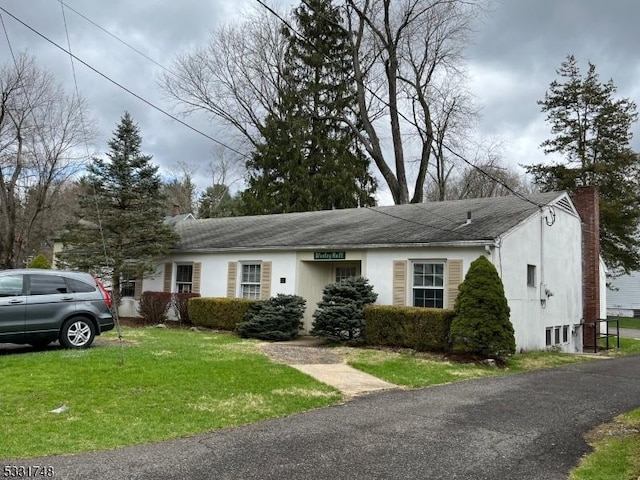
(525, 426)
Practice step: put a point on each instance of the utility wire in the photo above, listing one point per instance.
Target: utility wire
(114, 36)
(114, 308)
(119, 85)
(386, 103)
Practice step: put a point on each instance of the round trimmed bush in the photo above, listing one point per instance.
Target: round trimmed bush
(481, 325)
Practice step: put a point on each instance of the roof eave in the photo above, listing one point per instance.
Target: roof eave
(306, 248)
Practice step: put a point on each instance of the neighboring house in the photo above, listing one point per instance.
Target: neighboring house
(623, 298)
(415, 254)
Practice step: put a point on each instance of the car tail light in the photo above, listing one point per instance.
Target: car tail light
(105, 294)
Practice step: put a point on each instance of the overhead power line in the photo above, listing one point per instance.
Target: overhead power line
(116, 37)
(119, 85)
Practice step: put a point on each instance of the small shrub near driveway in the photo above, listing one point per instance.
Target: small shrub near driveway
(279, 318)
(481, 325)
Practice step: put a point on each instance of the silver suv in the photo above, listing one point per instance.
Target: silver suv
(40, 306)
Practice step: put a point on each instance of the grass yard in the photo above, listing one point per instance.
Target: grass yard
(172, 383)
(616, 451)
(626, 322)
(422, 370)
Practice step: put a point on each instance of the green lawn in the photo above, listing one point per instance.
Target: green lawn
(421, 370)
(616, 451)
(626, 322)
(172, 383)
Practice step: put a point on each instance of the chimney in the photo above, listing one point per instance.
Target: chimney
(468, 218)
(586, 202)
(175, 210)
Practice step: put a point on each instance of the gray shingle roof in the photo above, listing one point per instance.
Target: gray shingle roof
(414, 224)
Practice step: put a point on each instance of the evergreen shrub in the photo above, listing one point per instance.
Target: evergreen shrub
(422, 329)
(218, 312)
(279, 318)
(154, 306)
(340, 314)
(40, 261)
(481, 325)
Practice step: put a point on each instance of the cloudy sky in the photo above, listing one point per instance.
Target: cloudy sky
(516, 49)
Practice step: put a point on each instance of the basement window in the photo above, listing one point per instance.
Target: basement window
(531, 275)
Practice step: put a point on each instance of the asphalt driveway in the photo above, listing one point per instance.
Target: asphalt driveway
(526, 426)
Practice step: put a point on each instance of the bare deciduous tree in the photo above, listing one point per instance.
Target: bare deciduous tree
(41, 130)
(408, 73)
(406, 54)
(235, 78)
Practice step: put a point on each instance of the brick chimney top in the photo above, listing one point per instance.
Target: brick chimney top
(175, 210)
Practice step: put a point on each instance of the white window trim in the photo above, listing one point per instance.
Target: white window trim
(177, 283)
(242, 284)
(411, 275)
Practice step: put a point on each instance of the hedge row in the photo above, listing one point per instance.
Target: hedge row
(423, 329)
(218, 313)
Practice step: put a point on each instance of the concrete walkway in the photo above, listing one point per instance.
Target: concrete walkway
(310, 356)
(629, 333)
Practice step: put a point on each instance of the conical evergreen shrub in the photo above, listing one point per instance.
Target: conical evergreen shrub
(40, 261)
(481, 325)
(340, 314)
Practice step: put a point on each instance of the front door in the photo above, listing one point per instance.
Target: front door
(344, 270)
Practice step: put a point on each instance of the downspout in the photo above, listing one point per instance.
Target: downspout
(542, 287)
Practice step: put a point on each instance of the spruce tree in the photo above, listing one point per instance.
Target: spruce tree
(481, 325)
(592, 130)
(120, 220)
(310, 159)
(340, 314)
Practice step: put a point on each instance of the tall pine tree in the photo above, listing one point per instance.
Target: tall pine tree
(592, 130)
(311, 160)
(120, 227)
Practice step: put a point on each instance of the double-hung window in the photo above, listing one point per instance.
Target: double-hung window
(128, 284)
(428, 284)
(250, 280)
(184, 278)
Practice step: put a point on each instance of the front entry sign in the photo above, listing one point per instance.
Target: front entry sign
(329, 255)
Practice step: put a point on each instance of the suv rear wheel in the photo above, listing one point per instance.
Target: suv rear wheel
(77, 332)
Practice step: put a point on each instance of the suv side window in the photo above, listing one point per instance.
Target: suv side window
(76, 286)
(47, 285)
(11, 285)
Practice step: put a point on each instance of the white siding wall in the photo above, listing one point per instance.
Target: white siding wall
(379, 268)
(214, 271)
(558, 266)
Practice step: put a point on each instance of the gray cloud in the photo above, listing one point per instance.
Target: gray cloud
(516, 49)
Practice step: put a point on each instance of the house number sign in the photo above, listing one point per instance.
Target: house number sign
(329, 255)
